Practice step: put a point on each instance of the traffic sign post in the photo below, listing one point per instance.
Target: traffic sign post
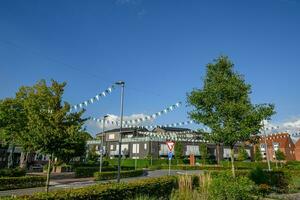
(170, 146)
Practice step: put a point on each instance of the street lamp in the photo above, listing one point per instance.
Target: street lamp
(122, 84)
(266, 147)
(102, 140)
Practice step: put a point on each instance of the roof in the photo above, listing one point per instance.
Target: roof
(124, 130)
(283, 139)
(175, 129)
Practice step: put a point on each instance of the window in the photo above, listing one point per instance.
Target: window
(111, 136)
(145, 146)
(275, 146)
(135, 148)
(192, 149)
(111, 147)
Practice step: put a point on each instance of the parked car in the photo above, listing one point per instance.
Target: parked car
(36, 168)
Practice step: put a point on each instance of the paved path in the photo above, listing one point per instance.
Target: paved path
(83, 182)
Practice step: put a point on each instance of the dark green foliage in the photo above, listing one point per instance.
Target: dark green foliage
(178, 148)
(279, 155)
(224, 187)
(158, 188)
(10, 183)
(203, 152)
(17, 172)
(257, 154)
(89, 171)
(223, 104)
(278, 180)
(242, 154)
(113, 175)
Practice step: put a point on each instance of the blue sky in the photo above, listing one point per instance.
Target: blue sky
(159, 48)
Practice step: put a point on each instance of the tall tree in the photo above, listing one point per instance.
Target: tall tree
(13, 124)
(223, 104)
(53, 129)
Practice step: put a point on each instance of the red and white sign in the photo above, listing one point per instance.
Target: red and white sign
(170, 145)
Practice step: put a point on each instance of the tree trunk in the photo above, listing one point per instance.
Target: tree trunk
(48, 174)
(24, 160)
(232, 160)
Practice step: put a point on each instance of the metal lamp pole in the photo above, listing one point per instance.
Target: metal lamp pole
(102, 140)
(122, 84)
(266, 148)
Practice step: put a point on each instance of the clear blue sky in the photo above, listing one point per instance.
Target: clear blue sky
(160, 48)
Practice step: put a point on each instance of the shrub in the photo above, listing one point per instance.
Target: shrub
(113, 175)
(158, 188)
(17, 172)
(9, 183)
(224, 186)
(89, 171)
(278, 180)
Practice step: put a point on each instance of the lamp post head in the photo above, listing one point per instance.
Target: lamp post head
(122, 83)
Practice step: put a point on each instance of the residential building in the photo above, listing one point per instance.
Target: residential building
(274, 142)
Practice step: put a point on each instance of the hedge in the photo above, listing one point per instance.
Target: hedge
(113, 175)
(16, 172)
(9, 183)
(277, 180)
(81, 172)
(157, 188)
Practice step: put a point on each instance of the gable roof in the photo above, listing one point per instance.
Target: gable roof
(124, 130)
(175, 129)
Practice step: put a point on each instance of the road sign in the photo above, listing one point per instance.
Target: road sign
(170, 155)
(170, 145)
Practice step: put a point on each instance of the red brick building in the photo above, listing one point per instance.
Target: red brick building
(297, 150)
(279, 141)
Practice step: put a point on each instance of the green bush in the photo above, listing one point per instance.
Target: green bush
(113, 175)
(158, 188)
(16, 172)
(224, 187)
(278, 180)
(9, 183)
(89, 171)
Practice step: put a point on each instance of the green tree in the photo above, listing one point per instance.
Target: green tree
(53, 129)
(279, 155)
(13, 124)
(223, 104)
(203, 152)
(242, 154)
(178, 148)
(257, 154)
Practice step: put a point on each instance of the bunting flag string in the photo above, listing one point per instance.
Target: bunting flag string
(188, 136)
(93, 99)
(165, 125)
(127, 123)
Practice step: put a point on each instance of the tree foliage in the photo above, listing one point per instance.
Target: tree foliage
(257, 154)
(38, 120)
(203, 152)
(178, 148)
(279, 155)
(223, 104)
(242, 154)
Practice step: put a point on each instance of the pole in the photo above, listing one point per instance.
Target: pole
(48, 173)
(266, 148)
(120, 135)
(101, 148)
(169, 166)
